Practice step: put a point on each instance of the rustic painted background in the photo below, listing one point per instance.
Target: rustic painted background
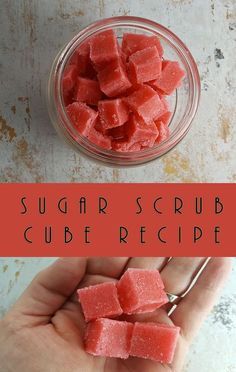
(31, 33)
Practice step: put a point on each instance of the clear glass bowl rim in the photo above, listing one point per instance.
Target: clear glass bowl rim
(61, 121)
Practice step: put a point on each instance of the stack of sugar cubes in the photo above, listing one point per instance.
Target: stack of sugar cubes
(115, 94)
(137, 291)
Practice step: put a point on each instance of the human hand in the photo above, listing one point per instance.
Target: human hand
(43, 332)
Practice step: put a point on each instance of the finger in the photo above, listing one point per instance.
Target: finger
(147, 262)
(195, 306)
(110, 266)
(179, 272)
(69, 323)
(50, 289)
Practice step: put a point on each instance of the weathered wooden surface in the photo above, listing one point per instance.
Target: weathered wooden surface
(214, 348)
(32, 32)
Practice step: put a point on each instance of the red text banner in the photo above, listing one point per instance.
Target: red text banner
(117, 220)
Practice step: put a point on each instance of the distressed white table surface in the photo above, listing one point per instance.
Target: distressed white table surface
(32, 32)
(213, 350)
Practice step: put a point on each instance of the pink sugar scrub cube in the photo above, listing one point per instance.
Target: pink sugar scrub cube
(117, 133)
(170, 78)
(104, 48)
(69, 78)
(99, 301)
(166, 106)
(108, 338)
(99, 139)
(141, 291)
(154, 341)
(165, 118)
(132, 43)
(113, 79)
(80, 58)
(146, 102)
(139, 131)
(81, 116)
(87, 91)
(164, 131)
(144, 65)
(113, 113)
(125, 146)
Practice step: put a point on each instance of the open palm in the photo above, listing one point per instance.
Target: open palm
(43, 332)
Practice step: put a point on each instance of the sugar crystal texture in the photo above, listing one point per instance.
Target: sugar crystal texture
(81, 116)
(113, 113)
(113, 79)
(170, 78)
(139, 131)
(99, 139)
(146, 103)
(141, 291)
(99, 301)
(154, 341)
(104, 49)
(132, 43)
(69, 78)
(108, 338)
(88, 91)
(145, 65)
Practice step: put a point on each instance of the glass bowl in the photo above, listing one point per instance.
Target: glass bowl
(184, 102)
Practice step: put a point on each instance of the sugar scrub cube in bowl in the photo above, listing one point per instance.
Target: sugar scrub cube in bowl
(169, 79)
(99, 301)
(144, 64)
(104, 49)
(113, 79)
(113, 113)
(108, 338)
(154, 341)
(82, 117)
(117, 69)
(141, 291)
(132, 43)
(146, 103)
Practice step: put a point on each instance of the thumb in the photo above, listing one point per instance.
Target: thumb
(50, 289)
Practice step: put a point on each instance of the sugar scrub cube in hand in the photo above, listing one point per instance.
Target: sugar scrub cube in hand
(81, 116)
(108, 338)
(99, 301)
(144, 65)
(146, 103)
(170, 78)
(132, 43)
(113, 113)
(141, 291)
(113, 79)
(104, 49)
(154, 341)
